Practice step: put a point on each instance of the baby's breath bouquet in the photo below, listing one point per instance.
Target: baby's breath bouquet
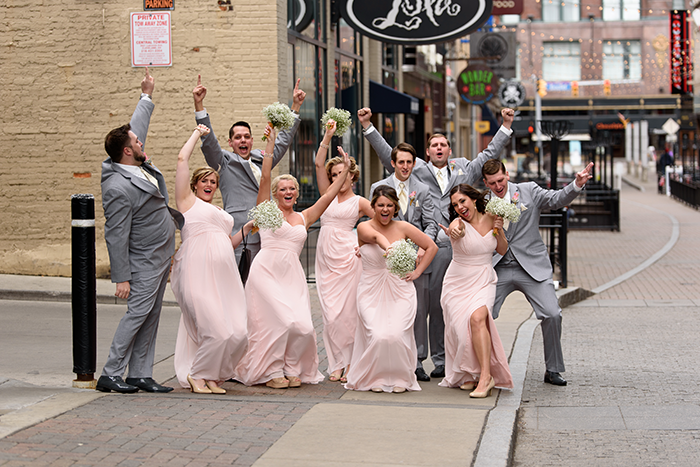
(502, 208)
(342, 119)
(279, 115)
(401, 257)
(267, 215)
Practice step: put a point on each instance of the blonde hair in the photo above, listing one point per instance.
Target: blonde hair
(276, 181)
(200, 173)
(354, 169)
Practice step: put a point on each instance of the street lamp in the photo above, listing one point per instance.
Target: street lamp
(556, 130)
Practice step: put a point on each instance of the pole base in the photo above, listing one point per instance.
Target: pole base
(85, 384)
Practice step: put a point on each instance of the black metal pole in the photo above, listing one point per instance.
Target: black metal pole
(84, 290)
(554, 155)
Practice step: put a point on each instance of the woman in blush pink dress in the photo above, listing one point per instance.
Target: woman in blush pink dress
(281, 338)
(212, 335)
(384, 355)
(337, 266)
(473, 349)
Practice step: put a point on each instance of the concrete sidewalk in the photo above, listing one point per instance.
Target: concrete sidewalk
(316, 425)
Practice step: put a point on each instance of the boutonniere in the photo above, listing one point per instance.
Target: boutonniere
(148, 161)
(412, 197)
(514, 199)
(452, 165)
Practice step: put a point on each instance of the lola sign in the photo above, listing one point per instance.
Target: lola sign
(415, 22)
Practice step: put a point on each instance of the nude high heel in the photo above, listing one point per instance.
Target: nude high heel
(195, 389)
(487, 393)
(214, 388)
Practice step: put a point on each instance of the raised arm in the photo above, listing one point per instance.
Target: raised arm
(213, 153)
(314, 212)
(284, 138)
(141, 117)
(496, 145)
(375, 139)
(266, 175)
(321, 155)
(184, 198)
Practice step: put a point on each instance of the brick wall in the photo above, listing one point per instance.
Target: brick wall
(67, 81)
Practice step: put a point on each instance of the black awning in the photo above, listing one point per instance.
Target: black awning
(383, 99)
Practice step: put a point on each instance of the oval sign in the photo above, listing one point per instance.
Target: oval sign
(415, 22)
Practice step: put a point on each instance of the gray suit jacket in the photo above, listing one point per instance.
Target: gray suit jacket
(524, 240)
(239, 189)
(420, 211)
(139, 225)
(461, 171)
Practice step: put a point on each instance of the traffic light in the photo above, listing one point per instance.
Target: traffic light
(574, 88)
(606, 87)
(541, 87)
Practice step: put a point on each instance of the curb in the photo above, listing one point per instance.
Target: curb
(52, 296)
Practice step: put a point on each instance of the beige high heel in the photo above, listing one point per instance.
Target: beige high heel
(468, 386)
(215, 388)
(278, 383)
(487, 393)
(294, 381)
(194, 388)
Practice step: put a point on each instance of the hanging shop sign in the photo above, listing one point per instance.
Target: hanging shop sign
(507, 7)
(681, 56)
(477, 84)
(408, 22)
(498, 49)
(512, 94)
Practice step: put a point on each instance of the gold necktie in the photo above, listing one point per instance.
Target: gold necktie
(256, 171)
(440, 180)
(403, 199)
(150, 177)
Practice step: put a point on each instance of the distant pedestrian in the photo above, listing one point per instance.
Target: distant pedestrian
(664, 161)
(140, 234)
(525, 266)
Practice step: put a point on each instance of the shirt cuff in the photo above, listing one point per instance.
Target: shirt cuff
(145, 97)
(368, 130)
(578, 188)
(507, 131)
(200, 114)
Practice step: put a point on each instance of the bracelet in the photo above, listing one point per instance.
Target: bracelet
(324, 146)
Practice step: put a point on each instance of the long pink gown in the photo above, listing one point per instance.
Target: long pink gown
(338, 272)
(211, 338)
(281, 335)
(470, 283)
(385, 352)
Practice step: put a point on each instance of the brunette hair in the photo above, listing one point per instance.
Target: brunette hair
(492, 167)
(115, 142)
(241, 123)
(477, 196)
(403, 147)
(389, 193)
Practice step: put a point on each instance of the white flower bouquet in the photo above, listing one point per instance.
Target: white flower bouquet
(342, 118)
(279, 115)
(502, 208)
(266, 215)
(401, 257)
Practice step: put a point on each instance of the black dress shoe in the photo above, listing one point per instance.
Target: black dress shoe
(554, 378)
(421, 375)
(114, 383)
(147, 384)
(438, 372)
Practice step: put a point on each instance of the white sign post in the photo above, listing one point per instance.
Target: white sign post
(151, 43)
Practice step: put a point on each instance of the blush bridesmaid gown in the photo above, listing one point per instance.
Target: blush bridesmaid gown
(338, 272)
(385, 352)
(211, 338)
(281, 335)
(470, 283)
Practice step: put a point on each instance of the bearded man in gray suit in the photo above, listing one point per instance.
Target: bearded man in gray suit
(240, 169)
(140, 235)
(440, 174)
(417, 208)
(526, 266)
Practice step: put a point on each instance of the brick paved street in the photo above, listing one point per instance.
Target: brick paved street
(631, 351)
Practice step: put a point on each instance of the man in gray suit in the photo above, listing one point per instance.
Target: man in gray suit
(240, 168)
(526, 266)
(440, 174)
(416, 207)
(140, 234)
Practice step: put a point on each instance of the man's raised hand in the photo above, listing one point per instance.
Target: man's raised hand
(583, 176)
(364, 115)
(298, 97)
(199, 92)
(148, 83)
